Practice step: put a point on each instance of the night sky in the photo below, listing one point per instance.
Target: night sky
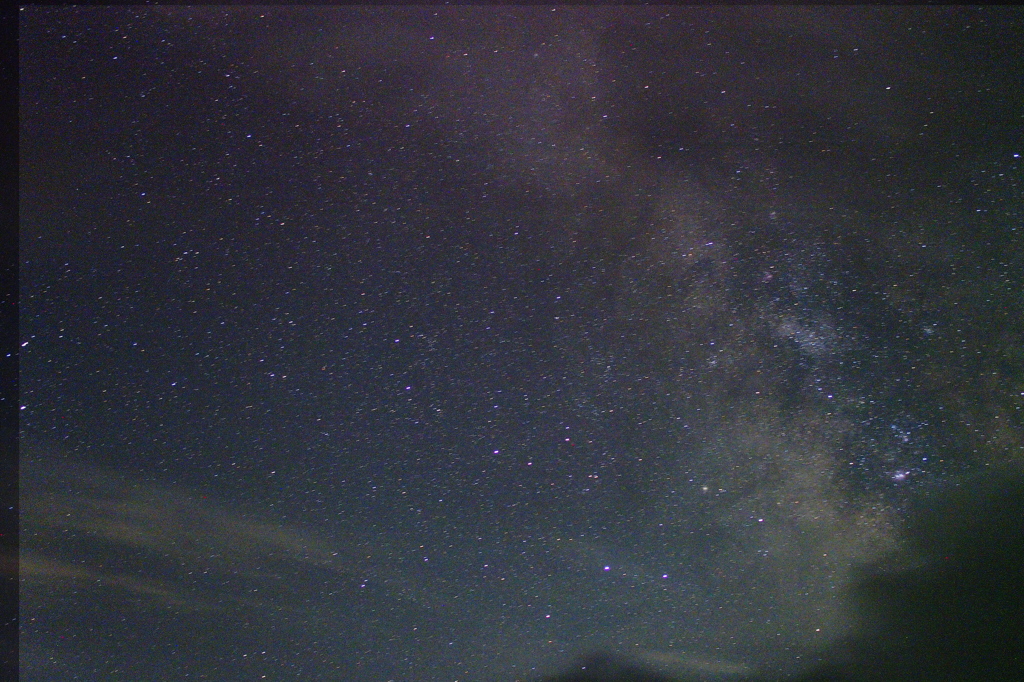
(454, 343)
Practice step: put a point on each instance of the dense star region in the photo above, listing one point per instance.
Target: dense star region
(456, 343)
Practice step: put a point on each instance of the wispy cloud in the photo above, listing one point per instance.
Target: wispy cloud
(171, 545)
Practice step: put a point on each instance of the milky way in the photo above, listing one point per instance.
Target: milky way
(453, 343)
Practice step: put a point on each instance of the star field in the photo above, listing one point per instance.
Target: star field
(453, 343)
